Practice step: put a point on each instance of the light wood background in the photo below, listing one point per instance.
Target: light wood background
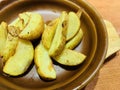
(108, 78)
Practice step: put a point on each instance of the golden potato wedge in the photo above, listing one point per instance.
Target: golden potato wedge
(3, 36)
(21, 60)
(25, 16)
(21, 21)
(34, 28)
(18, 23)
(73, 25)
(48, 33)
(59, 39)
(10, 47)
(71, 44)
(10, 44)
(43, 63)
(70, 58)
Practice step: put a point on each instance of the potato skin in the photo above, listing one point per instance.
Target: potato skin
(43, 63)
(49, 32)
(21, 60)
(59, 39)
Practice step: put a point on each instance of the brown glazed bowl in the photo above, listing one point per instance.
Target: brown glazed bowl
(93, 44)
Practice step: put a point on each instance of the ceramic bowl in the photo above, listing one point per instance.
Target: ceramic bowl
(93, 45)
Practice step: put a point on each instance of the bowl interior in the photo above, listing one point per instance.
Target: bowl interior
(89, 45)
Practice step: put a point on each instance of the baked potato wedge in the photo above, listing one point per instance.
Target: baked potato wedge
(21, 60)
(49, 32)
(10, 44)
(10, 47)
(34, 28)
(59, 39)
(70, 57)
(25, 16)
(3, 36)
(43, 63)
(73, 25)
(71, 44)
(22, 21)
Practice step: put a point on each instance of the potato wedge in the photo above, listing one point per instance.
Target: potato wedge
(9, 48)
(3, 36)
(73, 25)
(48, 33)
(21, 21)
(71, 44)
(70, 58)
(21, 60)
(59, 39)
(34, 28)
(18, 23)
(10, 44)
(25, 16)
(43, 63)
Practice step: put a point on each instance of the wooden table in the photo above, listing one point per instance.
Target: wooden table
(108, 78)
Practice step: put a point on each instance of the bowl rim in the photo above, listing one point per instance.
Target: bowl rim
(100, 18)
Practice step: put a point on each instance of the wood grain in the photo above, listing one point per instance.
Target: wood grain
(108, 78)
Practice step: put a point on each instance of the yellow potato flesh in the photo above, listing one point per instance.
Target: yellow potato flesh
(48, 34)
(21, 60)
(21, 21)
(11, 43)
(70, 58)
(34, 28)
(59, 39)
(3, 36)
(43, 63)
(71, 44)
(73, 25)
(10, 47)
(25, 17)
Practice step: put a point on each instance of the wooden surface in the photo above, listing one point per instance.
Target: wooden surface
(108, 78)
